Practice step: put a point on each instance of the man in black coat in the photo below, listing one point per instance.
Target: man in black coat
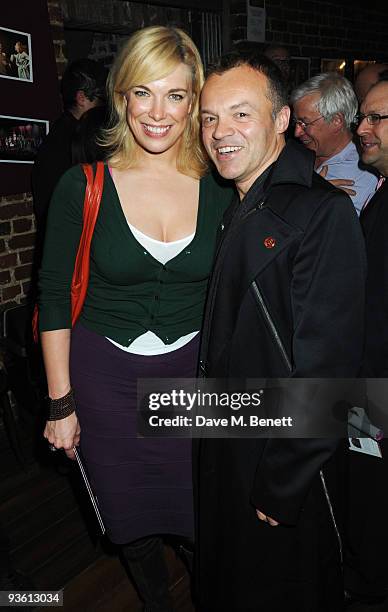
(373, 133)
(82, 88)
(286, 299)
(366, 569)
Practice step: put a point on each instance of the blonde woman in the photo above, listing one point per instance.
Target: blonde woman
(151, 256)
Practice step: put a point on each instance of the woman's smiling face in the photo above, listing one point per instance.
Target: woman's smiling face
(157, 112)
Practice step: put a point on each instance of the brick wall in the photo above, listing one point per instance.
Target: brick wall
(17, 223)
(314, 29)
(17, 237)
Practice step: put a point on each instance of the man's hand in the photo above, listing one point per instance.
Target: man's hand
(343, 184)
(267, 519)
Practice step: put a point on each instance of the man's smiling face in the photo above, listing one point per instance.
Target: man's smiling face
(374, 138)
(239, 130)
(317, 134)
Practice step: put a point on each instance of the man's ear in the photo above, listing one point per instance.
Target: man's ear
(282, 119)
(338, 122)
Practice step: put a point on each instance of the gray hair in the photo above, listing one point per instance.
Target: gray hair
(337, 96)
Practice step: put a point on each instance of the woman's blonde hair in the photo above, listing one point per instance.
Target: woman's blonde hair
(149, 54)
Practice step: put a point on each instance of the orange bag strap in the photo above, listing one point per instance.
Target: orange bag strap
(80, 279)
(93, 194)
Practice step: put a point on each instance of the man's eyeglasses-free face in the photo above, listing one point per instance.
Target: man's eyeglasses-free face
(305, 124)
(372, 118)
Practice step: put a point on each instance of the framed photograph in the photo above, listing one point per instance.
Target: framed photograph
(299, 70)
(15, 55)
(359, 65)
(20, 138)
(333, 65)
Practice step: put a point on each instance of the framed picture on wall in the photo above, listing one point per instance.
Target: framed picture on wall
(334, 65)
(20, 138)
(359, 65)
(15, 55)
(299, 70)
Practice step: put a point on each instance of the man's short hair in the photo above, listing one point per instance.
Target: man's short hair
(337, 96)
(276, 91)
(83, 75)
(272, 49)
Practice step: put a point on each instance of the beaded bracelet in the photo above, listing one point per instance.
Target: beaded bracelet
(61, 408)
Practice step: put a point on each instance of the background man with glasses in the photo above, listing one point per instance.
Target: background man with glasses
(324, 109)
(366, 572)
(373, 132)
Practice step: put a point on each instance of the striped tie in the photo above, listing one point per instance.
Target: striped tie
(379, 183)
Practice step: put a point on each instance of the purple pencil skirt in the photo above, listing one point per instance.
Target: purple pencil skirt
(143, 485)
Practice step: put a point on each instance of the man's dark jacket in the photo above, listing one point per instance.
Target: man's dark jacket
(374, 221)
(366, 563)
(286, 299)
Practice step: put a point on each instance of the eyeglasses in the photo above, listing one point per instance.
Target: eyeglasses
(304, 124)
(372, 118)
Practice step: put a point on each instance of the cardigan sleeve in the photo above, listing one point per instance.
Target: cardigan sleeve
(63, 232)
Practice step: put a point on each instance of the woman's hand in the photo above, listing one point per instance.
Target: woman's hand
(64, 433)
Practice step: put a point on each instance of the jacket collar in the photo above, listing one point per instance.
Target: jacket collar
(295, 165)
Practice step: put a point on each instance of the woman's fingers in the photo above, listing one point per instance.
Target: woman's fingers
(64, 434)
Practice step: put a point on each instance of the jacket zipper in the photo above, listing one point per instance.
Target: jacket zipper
(258, 206)
(271, 325)
(331, 510)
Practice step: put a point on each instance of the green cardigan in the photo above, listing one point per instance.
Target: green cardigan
(129, 291)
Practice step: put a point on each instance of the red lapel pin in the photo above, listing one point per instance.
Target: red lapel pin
(269, 242)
